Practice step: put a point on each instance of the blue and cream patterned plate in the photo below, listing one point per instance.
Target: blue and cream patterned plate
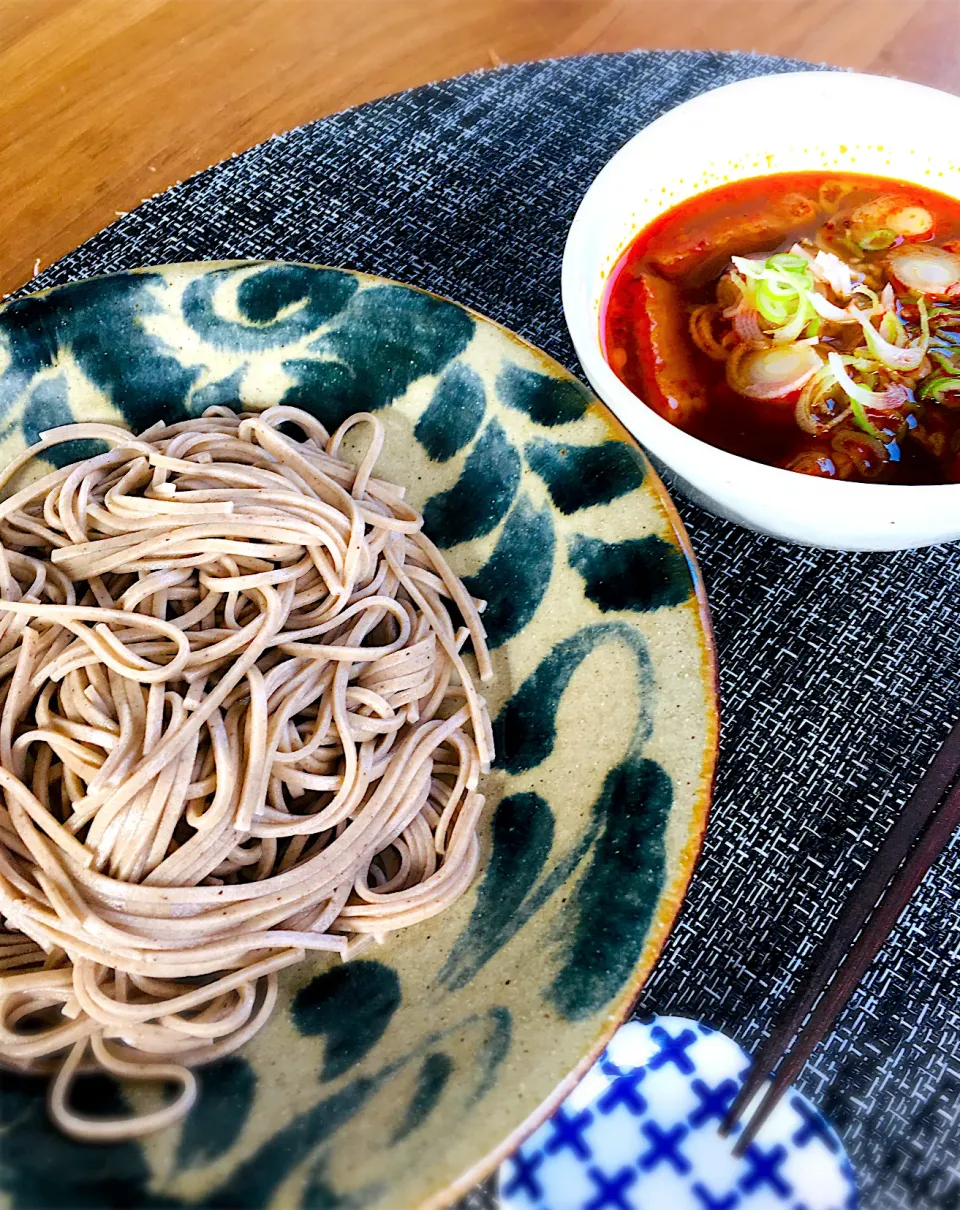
(398, 1079)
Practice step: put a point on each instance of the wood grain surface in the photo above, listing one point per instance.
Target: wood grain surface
(104, 102)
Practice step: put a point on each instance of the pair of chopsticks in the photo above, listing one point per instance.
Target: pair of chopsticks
(913, 844)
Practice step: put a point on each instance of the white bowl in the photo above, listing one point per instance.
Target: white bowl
(785, 123)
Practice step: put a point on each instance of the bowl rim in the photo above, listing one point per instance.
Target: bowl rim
(583, 317)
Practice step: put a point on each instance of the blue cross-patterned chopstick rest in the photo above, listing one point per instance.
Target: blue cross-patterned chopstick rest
(640, 1133)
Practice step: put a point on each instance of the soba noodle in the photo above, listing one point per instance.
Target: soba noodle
(235, 726)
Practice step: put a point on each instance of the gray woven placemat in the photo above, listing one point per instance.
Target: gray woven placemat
(840, 673)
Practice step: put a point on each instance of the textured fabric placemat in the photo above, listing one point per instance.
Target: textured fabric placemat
(840, 673)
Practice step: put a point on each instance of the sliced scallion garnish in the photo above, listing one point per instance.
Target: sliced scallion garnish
(936, 388)
(878, 241)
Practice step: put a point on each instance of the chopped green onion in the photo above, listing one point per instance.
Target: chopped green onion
(869, 294)
(788, 261)
(946, 315)
(828, 310)
(924, 321)
(748, 267)
(892, 330)
(936, 388)
(877, 241)
(778, 290)
(904, 361)
(943, 360)
(888, 400)
(792, 330)
(773, 310)
(815, 394)
(867, 452)
(863, 420)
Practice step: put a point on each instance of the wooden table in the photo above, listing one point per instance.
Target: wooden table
(104, 102)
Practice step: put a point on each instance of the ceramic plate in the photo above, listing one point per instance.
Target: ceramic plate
(399, 1078)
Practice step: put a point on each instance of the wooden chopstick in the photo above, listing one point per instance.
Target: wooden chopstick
(835, 960)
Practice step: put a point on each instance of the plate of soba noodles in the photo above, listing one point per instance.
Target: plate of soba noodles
(357, 732)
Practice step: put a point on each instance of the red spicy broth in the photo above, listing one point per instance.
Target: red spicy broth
(711, 346)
